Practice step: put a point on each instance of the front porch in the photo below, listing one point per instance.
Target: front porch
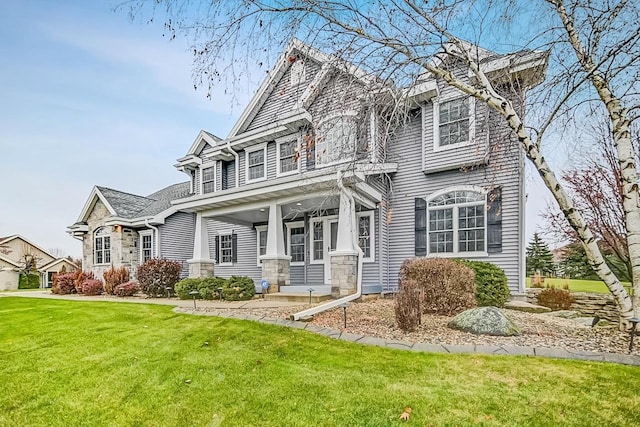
(311, 240)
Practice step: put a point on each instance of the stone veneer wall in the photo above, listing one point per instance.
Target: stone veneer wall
(589, 304)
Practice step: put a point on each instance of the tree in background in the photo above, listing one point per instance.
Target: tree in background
(539, 257)
(594, 46)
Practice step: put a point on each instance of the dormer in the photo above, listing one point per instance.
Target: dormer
(192, 163)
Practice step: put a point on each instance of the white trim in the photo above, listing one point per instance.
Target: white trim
(94, 236)
(95, 192)
(221, 233)
(372, 234)
(141, 234)
(290, 225)
(325, 226)
(201, 139)
(253, 149)
(281, 141)
(209, 165)
(259, 229)
(326, 119)
(454, 218)
(436, 121)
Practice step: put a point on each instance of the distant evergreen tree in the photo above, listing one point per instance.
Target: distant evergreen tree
(539, 257)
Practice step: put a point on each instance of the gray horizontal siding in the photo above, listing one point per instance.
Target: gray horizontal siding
(370, 270)
(409, 182)
(283, 97)
(176, 239)
(247, 255)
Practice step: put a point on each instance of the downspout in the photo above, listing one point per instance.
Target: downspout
(335, 303)
(156, 240)
(237, 159)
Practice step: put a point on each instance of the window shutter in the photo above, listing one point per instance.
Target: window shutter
(234, 248)
(494, 221)
(420, 227)
(217, 244)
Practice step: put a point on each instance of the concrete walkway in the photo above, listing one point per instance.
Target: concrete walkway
(208, 308)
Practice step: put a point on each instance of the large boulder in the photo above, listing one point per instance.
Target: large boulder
(484, 321)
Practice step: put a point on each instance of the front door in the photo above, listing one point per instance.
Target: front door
(325, 237)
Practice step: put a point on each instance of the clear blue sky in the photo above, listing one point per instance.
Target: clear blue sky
(88, 97)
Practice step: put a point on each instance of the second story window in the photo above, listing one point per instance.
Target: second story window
(288, 157)
(336, 140)
(208, 180)
(256, 163)
(453, 123)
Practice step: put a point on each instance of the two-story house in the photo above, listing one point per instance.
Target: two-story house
(312, 188)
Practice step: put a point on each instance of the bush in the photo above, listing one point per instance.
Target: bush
(80, 278)
(64, 284)
(114, 277)
(127, 289)
(29, 281)
(555, 299)
(209, 287)
(239, 288)
(156, 274)
(491, 283)
(184, 286)
(92, 287)
(407, 306)
(446, 286)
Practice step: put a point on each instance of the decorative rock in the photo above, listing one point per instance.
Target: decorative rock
(485, 321)
(526, 307)
(565, 314)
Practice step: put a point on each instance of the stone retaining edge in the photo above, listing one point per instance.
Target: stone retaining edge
(551, 352)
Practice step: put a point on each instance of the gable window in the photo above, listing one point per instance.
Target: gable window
(457, 223)
(295, 239)
(146, 245)
(336, 140)
(256, 163)
(365, 235)
(208, 180)
(288, 157)
(102, 246)
(261, 240)
(454, 123)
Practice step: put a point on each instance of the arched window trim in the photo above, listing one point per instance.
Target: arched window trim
(454, 209)
(102, 246)
(350, 116)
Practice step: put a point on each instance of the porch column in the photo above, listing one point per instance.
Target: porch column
(276, 265)
(201, 265)
(344, 260)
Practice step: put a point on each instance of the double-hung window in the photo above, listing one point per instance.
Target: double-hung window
(102, 246)
(208, 180)
(296, 244)
(256, 163)
(457, 223)
(225, 248)
(365, 235)
(146, 245)
(288, 157)
(261, 239)
(454, 123)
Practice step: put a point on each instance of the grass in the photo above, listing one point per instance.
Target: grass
(68, 363)
(576, 285)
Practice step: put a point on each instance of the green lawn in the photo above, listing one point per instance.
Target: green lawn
(575, 285)
(68, 363)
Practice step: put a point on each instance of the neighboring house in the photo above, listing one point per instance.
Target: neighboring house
(309, 180)
(12, 261)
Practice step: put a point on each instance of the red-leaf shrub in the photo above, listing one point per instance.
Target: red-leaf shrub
(156, 274)
(114, 277)
(80, 278)
(92, 287)
(126, 289)
(446, 287)
(64, 284)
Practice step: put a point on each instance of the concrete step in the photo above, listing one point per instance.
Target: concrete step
(304, 289)
(297, 297)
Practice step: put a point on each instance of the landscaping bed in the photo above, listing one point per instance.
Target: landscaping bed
(376, 318)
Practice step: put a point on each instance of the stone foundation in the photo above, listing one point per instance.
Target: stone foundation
(276, 271)
(589, 304)
(344, 274)
(200, 268)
